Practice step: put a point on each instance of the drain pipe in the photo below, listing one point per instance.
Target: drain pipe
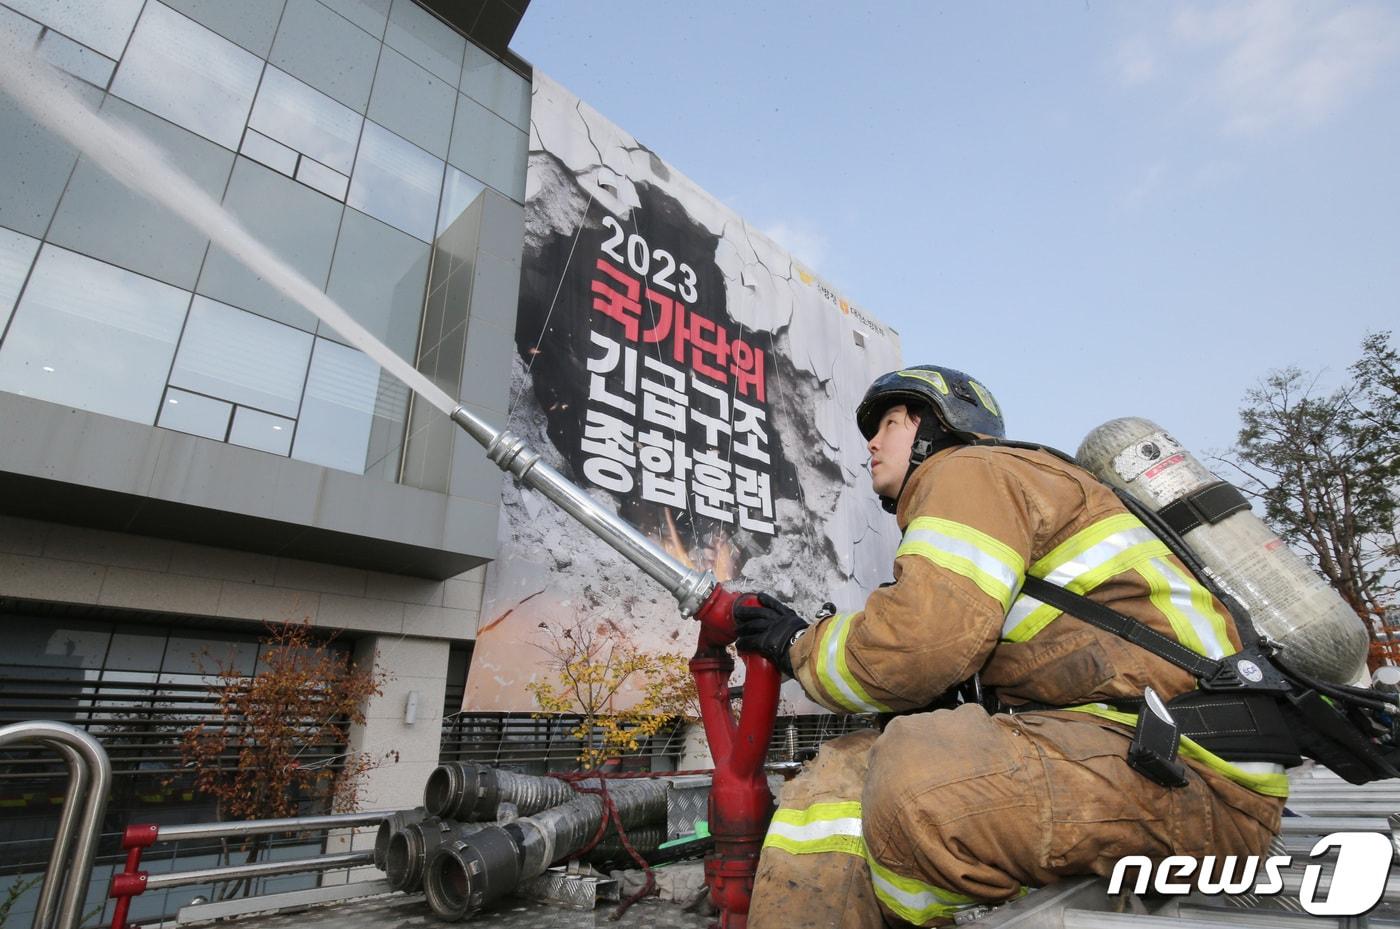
(469, 874)
(474, 793)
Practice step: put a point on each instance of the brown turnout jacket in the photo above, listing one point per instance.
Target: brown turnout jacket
(975, 521)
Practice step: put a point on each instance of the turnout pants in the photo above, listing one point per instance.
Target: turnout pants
(946, 810)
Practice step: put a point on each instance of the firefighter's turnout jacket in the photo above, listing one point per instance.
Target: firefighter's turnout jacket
(950, 808)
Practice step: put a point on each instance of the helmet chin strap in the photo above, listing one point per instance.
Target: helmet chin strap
(930, 438)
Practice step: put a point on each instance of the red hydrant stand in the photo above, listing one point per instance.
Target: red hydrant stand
(740, 802)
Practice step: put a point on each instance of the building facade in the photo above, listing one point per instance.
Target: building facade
(185, 453)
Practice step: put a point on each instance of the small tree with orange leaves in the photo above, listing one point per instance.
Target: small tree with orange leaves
(595, 669)
(266, 755)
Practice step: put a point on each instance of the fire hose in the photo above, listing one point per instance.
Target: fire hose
(740, 803)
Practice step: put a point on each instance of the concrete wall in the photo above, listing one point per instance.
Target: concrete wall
(69, 564)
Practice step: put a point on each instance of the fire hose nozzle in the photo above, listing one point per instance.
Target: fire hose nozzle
(510, 453)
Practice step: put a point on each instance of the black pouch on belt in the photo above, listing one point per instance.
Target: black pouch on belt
(1155, 742)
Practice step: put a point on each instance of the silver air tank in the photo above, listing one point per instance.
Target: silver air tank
(1289, 602)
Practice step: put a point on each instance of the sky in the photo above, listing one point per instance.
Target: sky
(1097, 209)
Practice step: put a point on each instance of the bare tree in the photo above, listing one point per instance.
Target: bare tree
(1325, 467)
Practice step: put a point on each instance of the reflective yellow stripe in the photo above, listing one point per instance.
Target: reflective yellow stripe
(1082, 562)
(836, 827)
(1270, 781)
(995, 567)
(1186, 604)
(835, 675)
(933, 378)
(913, 900)
(820, 828)
(985, 396)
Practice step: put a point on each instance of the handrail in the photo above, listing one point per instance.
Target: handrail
(260, 869)
(270, 826)
(132, 881)
(89, 784)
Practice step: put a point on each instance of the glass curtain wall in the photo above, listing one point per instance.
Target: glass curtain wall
(347, 135)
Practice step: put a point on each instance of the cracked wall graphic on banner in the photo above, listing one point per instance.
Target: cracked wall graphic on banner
(691, 376)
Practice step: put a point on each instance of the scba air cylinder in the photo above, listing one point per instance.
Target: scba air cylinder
(1290, 603)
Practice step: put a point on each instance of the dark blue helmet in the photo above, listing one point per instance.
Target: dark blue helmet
(965, 408)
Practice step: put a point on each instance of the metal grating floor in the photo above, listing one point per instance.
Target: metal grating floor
(399, 911)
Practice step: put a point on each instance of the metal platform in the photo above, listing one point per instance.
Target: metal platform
(402, 911)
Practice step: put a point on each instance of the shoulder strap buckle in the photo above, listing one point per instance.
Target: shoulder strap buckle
(1248, 669)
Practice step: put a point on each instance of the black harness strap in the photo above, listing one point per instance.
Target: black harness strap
(1208, 505)
(1116, 623)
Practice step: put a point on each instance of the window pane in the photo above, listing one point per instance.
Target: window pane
(409, 101)
(186, 412)
(16, 254)
(265, 151)
(378, 276)
(261, 431)
(326, 51)
(199, 653)
(22, 31)
(339, 404)
(314, 174)
(307, 120)
(57, 643)
(369, 15)
(36, 163)
(296, 222)
(486, 146)
(250, 23)
(100, 24)
(396, 181)
(426, 39)
(496, 87)
(135, 649)
(243, 358)
(90, 335)
(78, 60)
(178, 69)
(458, 192)
(103, 218)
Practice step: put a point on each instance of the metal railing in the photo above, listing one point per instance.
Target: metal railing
(79, 825)
(132, 881)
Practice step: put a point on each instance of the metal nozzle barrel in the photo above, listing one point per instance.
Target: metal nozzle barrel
(510, 453)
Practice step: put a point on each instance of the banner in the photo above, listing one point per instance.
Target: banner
(691, 376)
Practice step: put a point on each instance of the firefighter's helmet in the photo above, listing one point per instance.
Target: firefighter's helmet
(965, 407)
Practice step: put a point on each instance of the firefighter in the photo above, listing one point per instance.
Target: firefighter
(961, 806)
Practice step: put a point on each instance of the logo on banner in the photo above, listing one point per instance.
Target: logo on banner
(1357, 884)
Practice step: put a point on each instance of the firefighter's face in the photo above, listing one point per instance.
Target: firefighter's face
(890, 448)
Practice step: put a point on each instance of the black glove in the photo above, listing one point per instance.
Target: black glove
(768, 627)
